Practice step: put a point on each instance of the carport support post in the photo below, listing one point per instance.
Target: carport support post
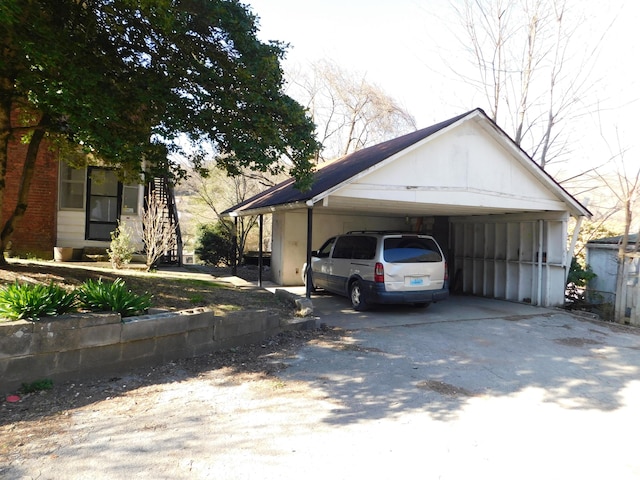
(309, 237)
(234, 247)
(540, 260)
(260, 251)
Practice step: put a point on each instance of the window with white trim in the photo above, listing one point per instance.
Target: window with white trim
(72, 187)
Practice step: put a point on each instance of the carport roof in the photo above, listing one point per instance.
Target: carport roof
(340, 172)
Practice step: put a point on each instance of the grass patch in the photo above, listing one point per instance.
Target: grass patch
(196, 299)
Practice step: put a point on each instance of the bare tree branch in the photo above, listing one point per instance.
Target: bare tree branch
(350, 113)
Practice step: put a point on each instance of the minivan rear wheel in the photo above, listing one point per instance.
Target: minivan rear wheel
(357, 296)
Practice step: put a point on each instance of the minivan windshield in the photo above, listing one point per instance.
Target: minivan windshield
(411, 249)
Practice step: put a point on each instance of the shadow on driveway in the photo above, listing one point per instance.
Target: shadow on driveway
(398, 359)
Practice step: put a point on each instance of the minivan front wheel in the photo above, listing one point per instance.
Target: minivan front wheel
(312, 287)
(357, 296)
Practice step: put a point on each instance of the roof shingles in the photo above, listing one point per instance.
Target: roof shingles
(340, 171)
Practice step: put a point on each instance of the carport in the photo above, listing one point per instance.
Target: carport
(501, 219)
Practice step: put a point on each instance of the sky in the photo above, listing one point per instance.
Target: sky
(389, 42)
(404, 46)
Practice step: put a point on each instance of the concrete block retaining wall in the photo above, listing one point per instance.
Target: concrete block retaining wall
(100, 344)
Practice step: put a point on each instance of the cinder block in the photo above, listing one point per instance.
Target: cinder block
(201, 319)
(100, 335)
(66, 362)
(171, 324)
(171, 347)
(137, 328)
(51, 340)
(15, 338)
(229, 327)
(98, 318)
(145, 348)
(27, 369)
(304, 307)
(104, 324)
(105, 355)
(299, 324)
(201, 336)
(241, 340)
(203, 349)
(236, 324)
(272, 320)
(73, 321)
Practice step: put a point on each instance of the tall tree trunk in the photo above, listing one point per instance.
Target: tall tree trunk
(5, 133)
(621, 281)
(23, 192)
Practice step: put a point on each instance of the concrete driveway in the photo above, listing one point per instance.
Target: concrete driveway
(468, 388)
(336, 311)
(476, 388)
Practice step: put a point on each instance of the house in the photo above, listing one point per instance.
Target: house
(501, 219)
(74, 210)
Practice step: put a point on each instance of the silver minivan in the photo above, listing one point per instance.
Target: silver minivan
(381, 267)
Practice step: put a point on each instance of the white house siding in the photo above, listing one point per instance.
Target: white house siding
(518, 257)
(289, 232)
(458, 170)
(71, 228)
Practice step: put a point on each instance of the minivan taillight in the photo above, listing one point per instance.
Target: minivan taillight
(378, 273)
(446, 272)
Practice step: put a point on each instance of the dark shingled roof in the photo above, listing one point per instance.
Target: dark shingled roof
(617, 240)
(341, 170)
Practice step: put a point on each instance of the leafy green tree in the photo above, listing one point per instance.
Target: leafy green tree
(215, 245)
(578, 278)
(138, 83)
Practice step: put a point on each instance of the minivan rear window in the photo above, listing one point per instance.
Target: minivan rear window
(411, 250)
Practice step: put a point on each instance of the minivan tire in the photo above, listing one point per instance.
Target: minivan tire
(356, 294)
(313, 287)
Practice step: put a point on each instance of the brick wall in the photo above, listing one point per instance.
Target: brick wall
(35, 234)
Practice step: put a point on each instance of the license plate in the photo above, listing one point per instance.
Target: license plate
(415, 281)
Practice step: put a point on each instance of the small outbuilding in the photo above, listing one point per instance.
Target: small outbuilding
(501, 219)
(605, 292)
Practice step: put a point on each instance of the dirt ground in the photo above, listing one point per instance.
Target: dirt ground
(206, 288)
(28, 427)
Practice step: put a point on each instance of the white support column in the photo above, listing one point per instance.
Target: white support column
(540, 259)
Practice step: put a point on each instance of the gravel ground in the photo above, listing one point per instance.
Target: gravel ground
(28, 428)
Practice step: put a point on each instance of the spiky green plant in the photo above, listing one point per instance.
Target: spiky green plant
(99, 296)
(33, 301)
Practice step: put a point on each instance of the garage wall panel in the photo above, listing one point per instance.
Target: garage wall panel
(511, 257)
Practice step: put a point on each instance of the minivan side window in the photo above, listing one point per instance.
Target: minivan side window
(411, 250)
(325, 250)
(355, 246)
